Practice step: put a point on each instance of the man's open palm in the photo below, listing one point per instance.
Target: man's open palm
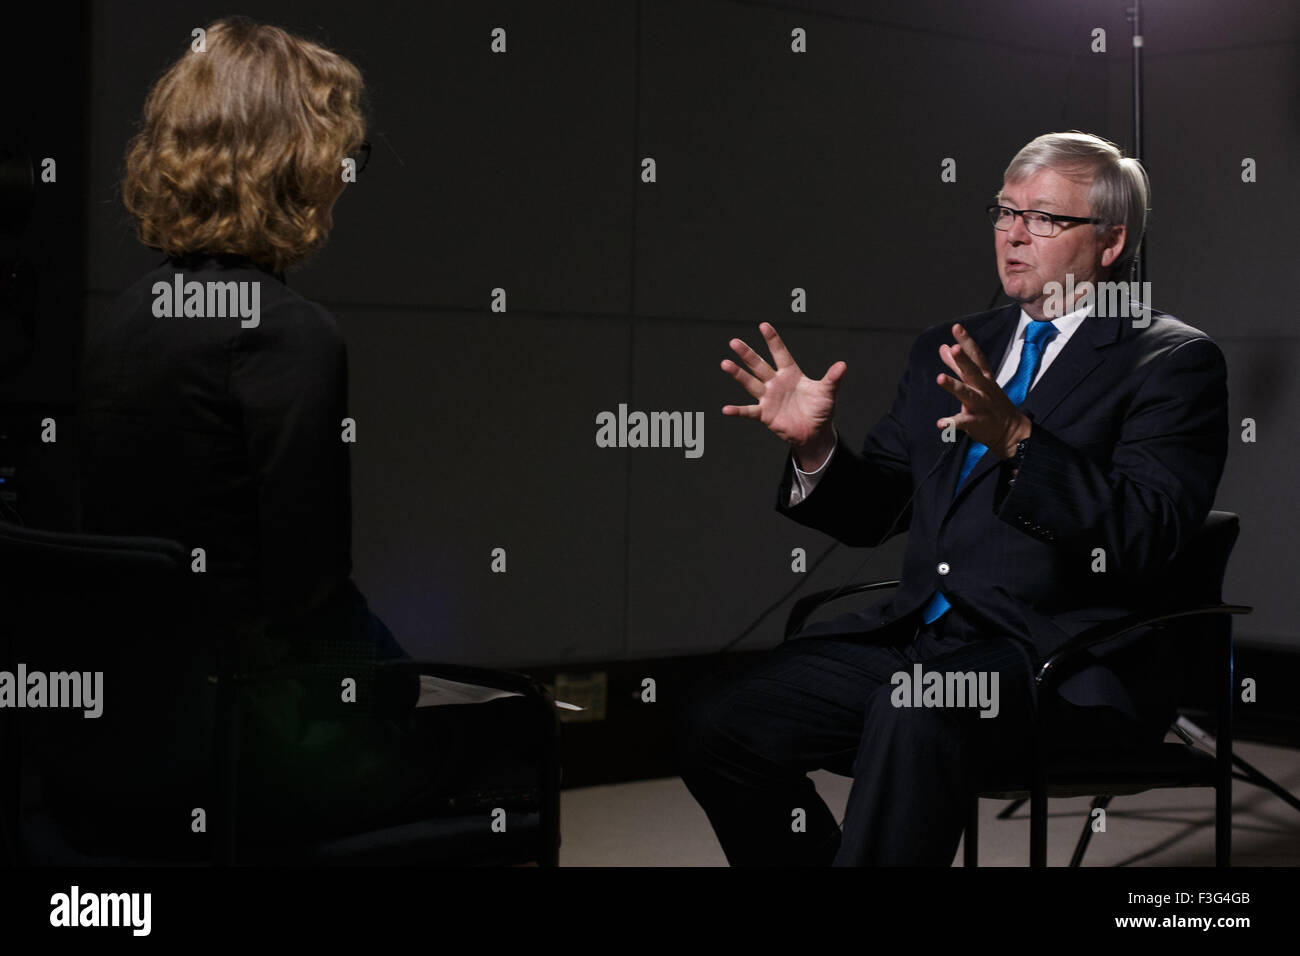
(796, 408)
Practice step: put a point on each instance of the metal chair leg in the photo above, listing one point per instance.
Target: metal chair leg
(970, 856)
(1082, 846)
(1252, 775)
(1193, 734)
(1009, 810)
(1223, 760)
(1038, 802)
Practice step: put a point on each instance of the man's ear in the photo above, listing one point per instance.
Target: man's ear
(1114, 245)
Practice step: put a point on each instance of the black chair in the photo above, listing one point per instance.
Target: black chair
(80, 791)
(1188, 608)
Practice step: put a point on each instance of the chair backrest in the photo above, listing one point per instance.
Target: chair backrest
(1195, 575)
(1187, 656)
(127, 781)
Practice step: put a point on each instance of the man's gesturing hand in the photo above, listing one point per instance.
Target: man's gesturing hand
(793, 406)
(987, 414)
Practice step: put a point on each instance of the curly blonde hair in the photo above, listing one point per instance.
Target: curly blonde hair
(241, 146)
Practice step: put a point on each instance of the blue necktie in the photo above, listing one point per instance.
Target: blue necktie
(1037, 335)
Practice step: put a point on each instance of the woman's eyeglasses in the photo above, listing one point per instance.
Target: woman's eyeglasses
(361, 156)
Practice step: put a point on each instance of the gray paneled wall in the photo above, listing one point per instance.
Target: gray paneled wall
(775, 170)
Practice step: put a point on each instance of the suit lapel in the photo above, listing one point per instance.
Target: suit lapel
(1081, 355)
(993, 337)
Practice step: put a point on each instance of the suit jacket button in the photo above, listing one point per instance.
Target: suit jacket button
(943, 567)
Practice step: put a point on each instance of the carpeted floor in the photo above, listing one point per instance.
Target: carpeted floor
(658, 823)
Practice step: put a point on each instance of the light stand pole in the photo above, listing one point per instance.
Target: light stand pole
(1135, 17)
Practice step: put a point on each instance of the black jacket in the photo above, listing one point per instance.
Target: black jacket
(226, 438)
(1128, 443)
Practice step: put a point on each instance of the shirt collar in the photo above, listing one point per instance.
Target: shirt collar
(1066, 324)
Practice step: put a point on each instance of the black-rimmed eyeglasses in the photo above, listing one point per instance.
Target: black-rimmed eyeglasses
(361, 156)
(1039, 223)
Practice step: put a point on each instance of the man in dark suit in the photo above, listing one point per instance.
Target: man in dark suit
(1041, 492)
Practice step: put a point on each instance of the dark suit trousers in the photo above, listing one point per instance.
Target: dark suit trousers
(747, 737)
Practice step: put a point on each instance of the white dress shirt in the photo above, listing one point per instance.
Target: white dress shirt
(805, 481)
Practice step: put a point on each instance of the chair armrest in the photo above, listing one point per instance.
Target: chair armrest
(1058, 664)
(804, 607)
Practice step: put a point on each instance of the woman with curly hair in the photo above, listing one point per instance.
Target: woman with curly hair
(223, 428)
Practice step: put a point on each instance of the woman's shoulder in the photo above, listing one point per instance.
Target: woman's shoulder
(232, 293)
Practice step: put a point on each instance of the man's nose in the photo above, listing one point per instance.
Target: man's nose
(1019, 233)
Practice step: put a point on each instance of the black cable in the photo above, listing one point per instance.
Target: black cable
(1026, 651)
(779, 601)
(9, 509)
(825, 554)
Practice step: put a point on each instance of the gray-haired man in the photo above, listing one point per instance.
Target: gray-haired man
(1074, 431)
